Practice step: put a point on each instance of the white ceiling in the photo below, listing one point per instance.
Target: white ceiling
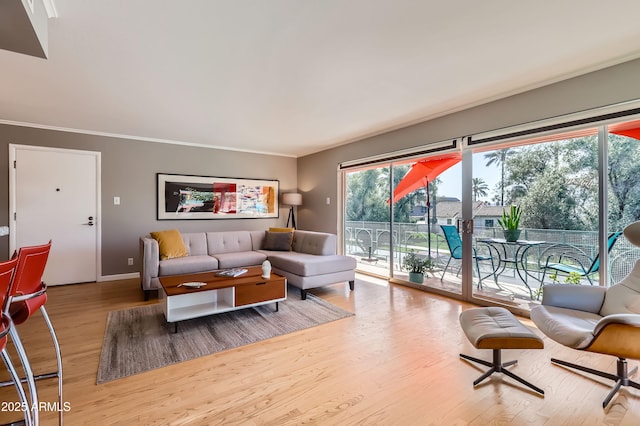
(293, 77)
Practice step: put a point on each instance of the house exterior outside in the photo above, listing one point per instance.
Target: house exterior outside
(448, 211)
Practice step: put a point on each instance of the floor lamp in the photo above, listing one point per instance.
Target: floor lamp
(292, 199)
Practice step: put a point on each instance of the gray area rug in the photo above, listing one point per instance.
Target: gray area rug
(139, 339)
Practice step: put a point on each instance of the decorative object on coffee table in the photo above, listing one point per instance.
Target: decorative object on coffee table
(266, 269)
(231, 272)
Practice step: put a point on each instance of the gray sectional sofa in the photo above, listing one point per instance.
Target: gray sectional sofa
(310, 262)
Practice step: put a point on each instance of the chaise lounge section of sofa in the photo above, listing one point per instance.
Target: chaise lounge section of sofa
(309, 262)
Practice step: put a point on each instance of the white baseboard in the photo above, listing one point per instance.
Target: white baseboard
(119, 277)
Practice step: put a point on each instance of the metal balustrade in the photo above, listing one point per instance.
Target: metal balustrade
(369, 243)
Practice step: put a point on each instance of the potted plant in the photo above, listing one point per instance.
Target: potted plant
(510, 223)
(416, 266)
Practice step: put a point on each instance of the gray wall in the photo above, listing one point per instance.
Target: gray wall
(129, 167)
(318, 178)
(129, 171)
(22, 30)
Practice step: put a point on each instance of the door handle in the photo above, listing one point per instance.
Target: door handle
(90, 223)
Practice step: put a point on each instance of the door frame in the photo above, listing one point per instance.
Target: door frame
(13, 148)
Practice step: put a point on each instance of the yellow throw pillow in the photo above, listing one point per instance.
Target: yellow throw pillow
(280, 229)
(170, 243)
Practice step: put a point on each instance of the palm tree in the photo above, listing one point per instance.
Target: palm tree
(479, 188)
(499, 158)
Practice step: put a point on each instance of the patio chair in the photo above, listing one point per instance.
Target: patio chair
(571, 259)
(455, 247)
(366, 244)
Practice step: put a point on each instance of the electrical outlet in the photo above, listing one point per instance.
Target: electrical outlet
(130, 261)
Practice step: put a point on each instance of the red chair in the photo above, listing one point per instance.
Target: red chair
(28, 295)
(7, 270)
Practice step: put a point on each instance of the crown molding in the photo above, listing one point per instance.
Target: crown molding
(50, 7)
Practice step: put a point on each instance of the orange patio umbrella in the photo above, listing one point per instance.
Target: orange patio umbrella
(630, 129)
(419, 176)
(423, 172)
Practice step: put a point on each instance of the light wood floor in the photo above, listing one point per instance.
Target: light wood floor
(394, 363)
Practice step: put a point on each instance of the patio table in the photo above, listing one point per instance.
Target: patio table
(514, 253)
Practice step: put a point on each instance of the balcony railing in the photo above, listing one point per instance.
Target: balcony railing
(370, 242)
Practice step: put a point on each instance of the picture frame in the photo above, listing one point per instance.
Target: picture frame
(184, 197)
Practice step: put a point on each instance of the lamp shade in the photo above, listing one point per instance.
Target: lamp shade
(292, 199)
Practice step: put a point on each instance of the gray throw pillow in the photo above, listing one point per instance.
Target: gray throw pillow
(277, 241)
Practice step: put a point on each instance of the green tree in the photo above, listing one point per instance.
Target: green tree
(623, 178)
(366, 197)
(369, 197)
(546, 180)
(549, 203)
(499, 158)
(624, 181)
(404, 206)
(582, 169)
(479, 188)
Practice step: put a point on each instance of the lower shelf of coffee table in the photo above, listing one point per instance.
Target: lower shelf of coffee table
(203, 303)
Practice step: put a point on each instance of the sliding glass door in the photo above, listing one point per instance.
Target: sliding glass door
(552, 183)
(623, 193)
(573, 192)
(367, 218)
(426, 208)
(394, 213)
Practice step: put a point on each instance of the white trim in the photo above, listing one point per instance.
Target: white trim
(340, 182)
(558, 120)
(406, 154)
(50, 7)
(137, 138)
(116, 277)
(603, 205)
(13, 148)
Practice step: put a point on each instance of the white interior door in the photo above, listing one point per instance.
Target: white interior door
(54, 196)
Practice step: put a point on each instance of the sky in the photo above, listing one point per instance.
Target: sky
(450, 185)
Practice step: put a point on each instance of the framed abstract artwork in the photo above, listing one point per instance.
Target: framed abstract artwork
(183, 197)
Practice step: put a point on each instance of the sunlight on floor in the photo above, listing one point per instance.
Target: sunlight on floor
(372, 280)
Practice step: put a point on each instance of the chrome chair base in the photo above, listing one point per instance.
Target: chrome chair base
(34, 378)
(29, 379)
(621, 378)
(16, 382)
(497, 366)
